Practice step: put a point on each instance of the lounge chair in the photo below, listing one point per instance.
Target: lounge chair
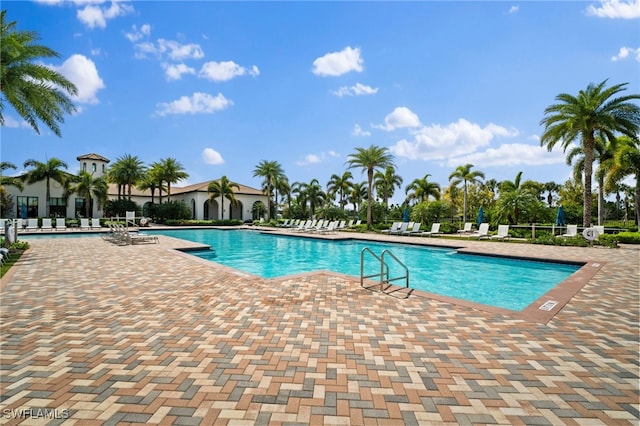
(466, 229)
(329, 229)
(572, 231)
(503, 233)
(482, 232)
(46, 224)
(131, 218)
(61, 224)
(358, 222)
(32, 224)
(414, 230)
(2, 222)
(599, 229)
(435, 230)
(95, 223)
(84, 224)
(394, 228)
(403, 227)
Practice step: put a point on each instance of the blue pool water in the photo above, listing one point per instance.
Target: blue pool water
(501, 282)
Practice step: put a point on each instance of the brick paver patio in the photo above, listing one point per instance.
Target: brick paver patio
(105, 334)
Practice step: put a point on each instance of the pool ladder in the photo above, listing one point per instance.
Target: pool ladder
(383, 274)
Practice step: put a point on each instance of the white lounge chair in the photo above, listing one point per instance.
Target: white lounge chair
(95, 223)
(329, 229)
(2, 222)
(403, 227)
(599, 229)
(482, 232)
(84, 224)
(61, 224)
(394, 228)
(467, 228)
(32, 224)
(435, 230)
(503, 233)
(413, 230)
(572, 231)
(46, 224)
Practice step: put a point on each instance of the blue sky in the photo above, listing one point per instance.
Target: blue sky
(221, 86)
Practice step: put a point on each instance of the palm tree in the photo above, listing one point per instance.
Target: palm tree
(9, 180)
(514, 198)
(223, 188)
(35, 91)
(340, 185)
(171, 171)
(551, 187)
(422, 189)
(593, 113)
(386, 183)
(357, 195)
(89, 187)
(466, 176)
(127, 172)
(51, 170)
(626, 161)
(271, 171)
(151, 181)
(370, 159)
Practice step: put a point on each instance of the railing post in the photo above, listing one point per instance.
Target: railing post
(533, 231)
(382, 273)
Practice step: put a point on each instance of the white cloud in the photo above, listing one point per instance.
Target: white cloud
(616, 9)
(514, 9)
(170, 49)
(511, 155)
(625, 52)
(82, 72)
(401, 117)
(436, 142)
(338, 63)
(198, 103)
(357, 131)
(175, 71)
(12, 122)
(317, 158)
(92, 15)
(211, 156)
(357, 90)
(137, 34)
(227, 70)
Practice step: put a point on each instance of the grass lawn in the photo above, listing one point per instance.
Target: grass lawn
(13, 258)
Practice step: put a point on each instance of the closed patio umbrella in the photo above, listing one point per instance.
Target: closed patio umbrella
(560, 218)
(480, 216)
(405, 215)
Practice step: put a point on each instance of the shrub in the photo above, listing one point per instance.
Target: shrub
(120, 207)
(627, 237)
(173, 210)
(190, 222)
(578, 241)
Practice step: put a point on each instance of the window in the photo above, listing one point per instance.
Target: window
(81, 210)
(84, 167)
(58, 207)
(93, 167)
(103, 169)
(26, 207)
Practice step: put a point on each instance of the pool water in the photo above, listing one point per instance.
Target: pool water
(501, 282)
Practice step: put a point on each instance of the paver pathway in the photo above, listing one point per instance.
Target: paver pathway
(103, 334)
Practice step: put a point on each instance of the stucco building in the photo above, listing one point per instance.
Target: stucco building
(30, 202)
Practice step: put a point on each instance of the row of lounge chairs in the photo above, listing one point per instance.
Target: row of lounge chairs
(47, 224)
(319, 225)
(121, 235)
(412, 228)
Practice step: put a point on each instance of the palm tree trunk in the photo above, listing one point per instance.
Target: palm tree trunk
(370, 197)
(601, 201)
(48, 200)
(637, 203)
(588, 144)
(464, 205)
(221, 206)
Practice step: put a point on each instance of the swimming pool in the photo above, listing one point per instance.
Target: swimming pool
(501, 282)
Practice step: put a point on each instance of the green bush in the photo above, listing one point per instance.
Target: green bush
(607, 240)
(627, 237)
(578, 241)
(173, 210)
(120, 207)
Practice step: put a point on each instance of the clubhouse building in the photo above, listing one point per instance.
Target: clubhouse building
(31, 201)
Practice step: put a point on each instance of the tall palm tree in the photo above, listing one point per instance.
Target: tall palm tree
(626, 161)
(90, 187)
(171, 171)
(385, 183)
(36, 92)
(51, 170)
(127, 172)
(422, 189)
(515, 197)
(370, 159)
(284, 188)
(151, 181)
(223, 188)
(270, 171)
(464, 174)
(314, 195)
(593, 113)
(340, 185)
(551, 187)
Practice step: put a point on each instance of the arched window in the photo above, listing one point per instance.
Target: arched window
(84, 167)
(93, 167)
